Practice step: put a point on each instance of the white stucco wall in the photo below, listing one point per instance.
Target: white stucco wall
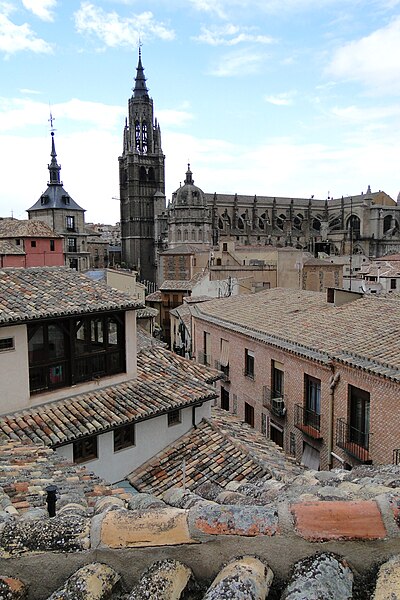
(151, 436)
(14, 370)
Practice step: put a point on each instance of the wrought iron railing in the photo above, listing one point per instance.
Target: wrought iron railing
(274, 401)
(308, 421)
(354, 441)
(224, 369)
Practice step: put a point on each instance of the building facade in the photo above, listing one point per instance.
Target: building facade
(319, 376)
(142, 184)
(40, 246)
(62, 214)
(366, 223)
(70, 378)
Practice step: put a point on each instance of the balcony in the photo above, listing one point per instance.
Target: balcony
(274, 401)
(354, 441)
(308, 421)
(396, 456)
(224, 369)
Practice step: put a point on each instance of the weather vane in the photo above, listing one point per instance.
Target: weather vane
(51, 120)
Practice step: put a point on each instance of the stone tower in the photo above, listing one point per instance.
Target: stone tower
(56, 208)
(142, 183)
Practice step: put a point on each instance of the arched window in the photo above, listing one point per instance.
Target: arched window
(387, 221)
(297, 221)
(150, 175)
(240, 223)
(200, 235)
(179, 235)
(316, 224)
(220, 223)
(353, 225)
(137, 136)
(144, 137)
(193, 235)
(334, 224)
(142, 174)
(185, 235)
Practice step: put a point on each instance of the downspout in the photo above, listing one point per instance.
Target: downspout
(333, 381)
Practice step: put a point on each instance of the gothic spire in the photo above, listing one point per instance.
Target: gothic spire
(54, 167)
(140, 90)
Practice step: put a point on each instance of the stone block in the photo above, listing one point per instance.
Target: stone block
(156, 527)
(233, 520)
(388, 583)
(242, 579)
(336, 520)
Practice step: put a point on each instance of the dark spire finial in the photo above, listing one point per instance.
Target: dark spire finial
(53, 167)
(140, 89)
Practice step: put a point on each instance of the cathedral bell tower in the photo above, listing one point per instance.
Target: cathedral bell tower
(142, 183)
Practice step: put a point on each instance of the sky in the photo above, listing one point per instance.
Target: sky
(267, 97)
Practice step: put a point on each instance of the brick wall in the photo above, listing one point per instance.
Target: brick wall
(384, 398)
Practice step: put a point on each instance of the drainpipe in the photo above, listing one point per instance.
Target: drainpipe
(333, 381)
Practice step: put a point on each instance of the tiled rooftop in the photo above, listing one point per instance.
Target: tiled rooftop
(12, 228)
(7, 247)
(154, 297)
(364, 333)
(209, 457)
(145, 340)
(177, 284)
(39, 292)
(164, 382)
(27, 469)
(221, 450)
(381, 268)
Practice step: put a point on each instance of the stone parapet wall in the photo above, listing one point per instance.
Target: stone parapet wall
(365, 533)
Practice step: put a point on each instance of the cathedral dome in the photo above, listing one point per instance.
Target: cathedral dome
(188, 194)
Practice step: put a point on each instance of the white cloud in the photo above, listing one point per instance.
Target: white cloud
(237, 63)
(18, 113)
(230, 35)
(16, 38)
(373, 60)
(210, 6)
(41, 8)
(282, 99)
(114, 30)
(171, 117)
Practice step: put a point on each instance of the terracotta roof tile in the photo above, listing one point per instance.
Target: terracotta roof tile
(38, 292)
(364, 333)
(164, 382)
(12, 228)
(8, 247)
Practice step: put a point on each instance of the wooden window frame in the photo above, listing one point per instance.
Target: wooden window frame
(124, 437)
(80, 451)
(174, 417)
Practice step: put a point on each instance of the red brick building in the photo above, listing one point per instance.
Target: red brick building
(319, 376)
(35, 243)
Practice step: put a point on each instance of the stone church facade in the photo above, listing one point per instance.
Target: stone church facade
(367, 223)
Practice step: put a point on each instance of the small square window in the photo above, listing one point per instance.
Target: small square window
(33, 244)
(85, 450)
(174, 417)
(17, 242)
(124, 437)
(6, 344)
(52, 245)
(249, 363)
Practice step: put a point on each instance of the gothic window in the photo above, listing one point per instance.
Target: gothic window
(220, 224)
(297, 221)
(353, 225)
(185, 235)
(200, 235)
(193, 235)
(179, 235)
(316, 224)
(144, 137)
(387, 221)
(142, 174)
(240, 223)
(279, 221)
(137, 135)
(151, 176)
(261, 223)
